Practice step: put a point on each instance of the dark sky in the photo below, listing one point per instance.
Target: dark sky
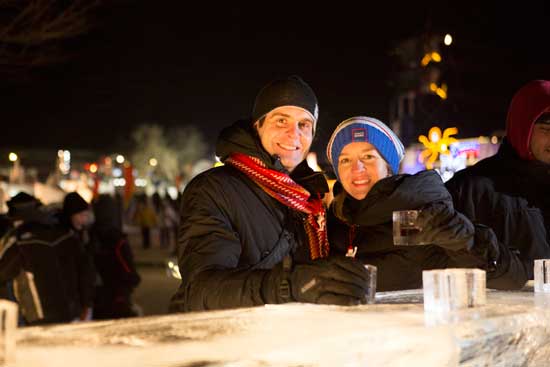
(172, 63)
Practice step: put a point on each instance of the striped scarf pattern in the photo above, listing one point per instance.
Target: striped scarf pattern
(283, 189)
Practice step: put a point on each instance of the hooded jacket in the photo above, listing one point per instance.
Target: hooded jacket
(510, 191)
(367, 224)
(531, 101)
(232, 232)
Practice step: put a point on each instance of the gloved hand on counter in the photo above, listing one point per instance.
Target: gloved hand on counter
(334, 280)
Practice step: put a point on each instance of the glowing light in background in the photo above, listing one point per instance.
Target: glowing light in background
(429, 57)
(12, 157)
(120, 159)
(64, 161)
(436, 145)
(448, 39)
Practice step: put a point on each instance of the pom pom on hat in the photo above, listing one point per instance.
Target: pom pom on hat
(369, 130)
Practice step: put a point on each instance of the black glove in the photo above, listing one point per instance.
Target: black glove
(486, 246)
(443, 226)
(335, 280)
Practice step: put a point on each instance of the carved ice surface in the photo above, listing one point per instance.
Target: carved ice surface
(8, 327)
(453, 289)
(510, 330)
(542, 275)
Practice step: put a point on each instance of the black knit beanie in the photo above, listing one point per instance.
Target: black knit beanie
(74, 203)
(20, 204)
(290, 91)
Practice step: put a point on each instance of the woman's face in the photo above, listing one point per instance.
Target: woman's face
(360, 166)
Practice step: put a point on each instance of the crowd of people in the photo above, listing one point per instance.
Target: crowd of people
(66, 264)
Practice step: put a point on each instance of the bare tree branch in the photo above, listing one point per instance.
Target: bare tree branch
(35, 32)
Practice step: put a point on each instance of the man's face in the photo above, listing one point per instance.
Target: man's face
(81, 219)
(287, 132)
(540, 142)
(360, 166)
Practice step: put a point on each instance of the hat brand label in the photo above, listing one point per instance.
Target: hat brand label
(359, 134)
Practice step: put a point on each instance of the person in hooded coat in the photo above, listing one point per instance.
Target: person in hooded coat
(253, 231)
(510, 191)
(114, 262)
(365, 155)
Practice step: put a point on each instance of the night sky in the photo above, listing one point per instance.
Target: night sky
(171, 63)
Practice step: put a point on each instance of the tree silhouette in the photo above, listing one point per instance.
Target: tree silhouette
(36, 33)
(174, 150)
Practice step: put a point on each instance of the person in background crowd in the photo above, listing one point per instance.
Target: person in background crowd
(146, 218)
(114, 261)
(365, 155)
(76, 214)
(253, 231)
(6, 291)
(167, 219)
(40, 246)
(510, 191)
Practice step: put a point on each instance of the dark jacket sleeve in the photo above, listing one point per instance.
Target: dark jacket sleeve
(86, 277)
(519, 228)
(210, 251)
(130, 277)
(443, 226)
(11, 263)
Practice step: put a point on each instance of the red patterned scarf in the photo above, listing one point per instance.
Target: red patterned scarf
(281, 187)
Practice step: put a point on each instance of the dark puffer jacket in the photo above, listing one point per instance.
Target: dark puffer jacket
(510, 191)
(232, 232)
(454, 240)
(511, 196)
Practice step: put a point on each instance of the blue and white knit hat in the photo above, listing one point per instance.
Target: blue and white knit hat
(369, 130)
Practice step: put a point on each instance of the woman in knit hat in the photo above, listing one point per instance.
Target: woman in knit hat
(365, 155)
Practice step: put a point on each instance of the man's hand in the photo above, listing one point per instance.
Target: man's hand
(335, 280)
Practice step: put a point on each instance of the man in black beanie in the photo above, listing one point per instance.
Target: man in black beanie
(253, 231)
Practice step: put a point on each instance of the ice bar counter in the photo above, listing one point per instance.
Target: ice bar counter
(511, 329)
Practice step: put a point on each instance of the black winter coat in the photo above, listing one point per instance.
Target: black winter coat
(510, 195)
(232, 232)
(368, 225)
(61, 267)
(116, 272)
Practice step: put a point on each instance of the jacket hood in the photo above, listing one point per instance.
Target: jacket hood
(531, 101)
(398, 192)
